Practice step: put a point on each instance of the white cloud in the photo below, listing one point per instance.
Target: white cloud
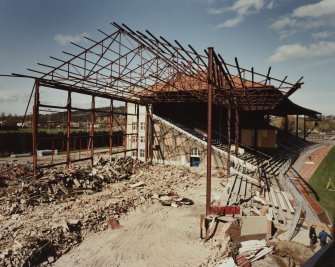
(317, 10)
(298, 51)
(230, 23)
(284, 22)
(306, 18)
(241, 9)
(216, 11)
(321, 35)
(66, 39)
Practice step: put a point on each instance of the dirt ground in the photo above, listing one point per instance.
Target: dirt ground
(152, 235)
(156, 235)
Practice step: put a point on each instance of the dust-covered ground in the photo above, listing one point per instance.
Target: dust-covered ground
(153, 235)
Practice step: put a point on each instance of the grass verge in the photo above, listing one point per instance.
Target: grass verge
(319, 182)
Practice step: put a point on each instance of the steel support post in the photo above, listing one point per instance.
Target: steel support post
(237, 132)
(137, 128)
(146, 152)
(125, 137)
(209, 130)
(296, 127)
(229, 142)
(92, 127)
(304, 127)
(35, 125)
(151, 134)
(111, 128)
(68, 128)
(220, 123)
(255, 138)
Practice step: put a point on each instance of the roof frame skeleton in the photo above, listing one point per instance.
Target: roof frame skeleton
(134, 66)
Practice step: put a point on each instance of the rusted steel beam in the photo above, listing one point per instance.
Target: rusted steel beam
(92, 128)
(237, 132)
(267, 78)
(111, 128)
(296, 127)
(137, 129)
(198, 56)
(68, 128)
(146, 134)
(62, 163)
(252, 76)
(229, 142)
(154, 47)
(209, 130)
(304, 127)
(125, 139)
(35, 126)
(229, 78)
(87, 49)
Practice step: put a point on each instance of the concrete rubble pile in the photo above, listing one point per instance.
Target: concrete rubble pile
(44, 218)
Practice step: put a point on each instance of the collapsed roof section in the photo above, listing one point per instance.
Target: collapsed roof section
(138, 67)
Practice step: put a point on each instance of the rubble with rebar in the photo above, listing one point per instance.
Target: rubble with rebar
(43, 218)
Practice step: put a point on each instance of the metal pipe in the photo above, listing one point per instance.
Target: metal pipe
(209, 130)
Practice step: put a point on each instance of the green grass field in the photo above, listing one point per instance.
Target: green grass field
(320, 180)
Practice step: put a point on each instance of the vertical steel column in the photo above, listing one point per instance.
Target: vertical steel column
(237, 131)
(125, 137)
(220, 123)
(151, 135)
(229, 143)
(92, 127)
(255, 138)
(209, 130)
(137, 128)
(35, 125)
(304, 127)
(286, 127)
(146, 152)
(296, 127)
(68, 128)
(111, 128)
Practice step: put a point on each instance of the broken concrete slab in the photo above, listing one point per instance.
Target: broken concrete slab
(254, 225)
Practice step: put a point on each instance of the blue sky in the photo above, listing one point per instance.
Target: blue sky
(295, 38)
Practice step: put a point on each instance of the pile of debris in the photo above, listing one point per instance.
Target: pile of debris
(44, 218)
(57, 184)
